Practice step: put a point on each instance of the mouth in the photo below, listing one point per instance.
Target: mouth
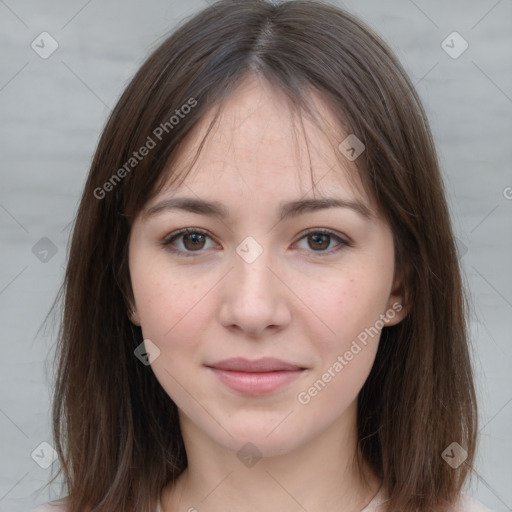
(257, 377)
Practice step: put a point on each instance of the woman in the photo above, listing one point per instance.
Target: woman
(237, 338)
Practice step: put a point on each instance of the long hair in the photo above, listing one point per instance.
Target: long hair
(115, 429)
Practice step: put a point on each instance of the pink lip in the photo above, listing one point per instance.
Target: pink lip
(265, 364)
(255, 377)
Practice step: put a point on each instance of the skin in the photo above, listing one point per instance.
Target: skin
(294, 302)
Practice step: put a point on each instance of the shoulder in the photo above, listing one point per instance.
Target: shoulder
(469, 504)
(465, 503)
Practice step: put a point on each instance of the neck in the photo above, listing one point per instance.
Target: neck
(321, 474)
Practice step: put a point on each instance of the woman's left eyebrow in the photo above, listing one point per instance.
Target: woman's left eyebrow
(286, 210)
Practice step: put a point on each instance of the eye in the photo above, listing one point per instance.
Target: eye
(193, 240)
(320, 239)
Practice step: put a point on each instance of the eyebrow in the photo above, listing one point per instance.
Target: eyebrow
(287, 210)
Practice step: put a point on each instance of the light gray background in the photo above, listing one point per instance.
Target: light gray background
(53, 110)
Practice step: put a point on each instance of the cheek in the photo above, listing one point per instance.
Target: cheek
(172, 313)
(349, 302)
(164, 296)
(350, 307)
(166, 306)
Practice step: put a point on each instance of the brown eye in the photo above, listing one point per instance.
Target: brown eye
(188, 240)
(318, 241)
(193, 241)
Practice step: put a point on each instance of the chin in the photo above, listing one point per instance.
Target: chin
(256, 441)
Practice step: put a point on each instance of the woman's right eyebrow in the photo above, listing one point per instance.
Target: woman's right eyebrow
(286, 210)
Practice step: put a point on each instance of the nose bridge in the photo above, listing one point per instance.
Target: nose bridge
(253, 299)
(252, 264)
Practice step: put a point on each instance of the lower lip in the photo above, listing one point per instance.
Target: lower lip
(255, 383)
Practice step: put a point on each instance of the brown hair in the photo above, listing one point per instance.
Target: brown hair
(116, 430)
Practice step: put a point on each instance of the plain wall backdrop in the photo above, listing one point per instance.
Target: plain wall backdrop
(53, 108)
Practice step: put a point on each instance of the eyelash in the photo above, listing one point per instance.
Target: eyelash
(168, 240)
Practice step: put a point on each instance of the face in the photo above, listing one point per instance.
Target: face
(311, 287)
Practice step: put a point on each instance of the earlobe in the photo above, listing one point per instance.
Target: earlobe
(395, 312)
(134, 317)
(398, 304)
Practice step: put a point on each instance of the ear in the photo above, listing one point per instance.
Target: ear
(133, 315)
(398, 305)
(134, 318)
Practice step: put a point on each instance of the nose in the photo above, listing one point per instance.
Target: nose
(254, 297)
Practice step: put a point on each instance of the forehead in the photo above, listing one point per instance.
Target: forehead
(259, 145)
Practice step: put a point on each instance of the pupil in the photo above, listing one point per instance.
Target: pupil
(315, 237)
(194, 238)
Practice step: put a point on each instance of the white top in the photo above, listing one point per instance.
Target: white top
(465, 504)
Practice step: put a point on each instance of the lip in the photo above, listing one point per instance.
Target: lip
(256, 377)
(264, 364)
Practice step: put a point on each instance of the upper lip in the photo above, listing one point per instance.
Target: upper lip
(265, 364)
